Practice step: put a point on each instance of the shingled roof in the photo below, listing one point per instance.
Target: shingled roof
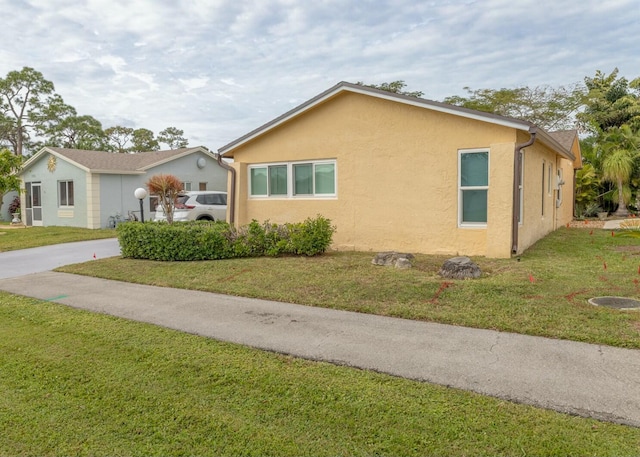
(564, 137)
(114, 163)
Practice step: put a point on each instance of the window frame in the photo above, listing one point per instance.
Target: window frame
(290, 180)
(461, 222)
(68, 202)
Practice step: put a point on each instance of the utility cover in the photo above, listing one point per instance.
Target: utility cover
(621, 303)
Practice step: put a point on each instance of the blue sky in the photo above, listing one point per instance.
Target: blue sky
(220, 68)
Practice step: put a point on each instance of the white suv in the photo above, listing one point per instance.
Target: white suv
(197, 206)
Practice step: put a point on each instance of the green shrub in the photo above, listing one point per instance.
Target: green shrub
(202, 240)
(310, 237)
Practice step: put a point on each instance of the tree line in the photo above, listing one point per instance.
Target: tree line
(33, 115)
(604, 108)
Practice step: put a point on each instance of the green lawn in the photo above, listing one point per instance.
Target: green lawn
(31, 237)
(543, 292)
(77, 383)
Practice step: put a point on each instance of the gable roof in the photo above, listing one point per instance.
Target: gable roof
(115, 163)
(343, 86)
(569, 140)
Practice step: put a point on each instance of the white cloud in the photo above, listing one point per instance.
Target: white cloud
(220, 68)
(194, 83)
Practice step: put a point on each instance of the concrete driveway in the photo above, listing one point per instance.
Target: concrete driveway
(36, 260)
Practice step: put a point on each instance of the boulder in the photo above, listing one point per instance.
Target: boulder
(392, 258)
(460, 268)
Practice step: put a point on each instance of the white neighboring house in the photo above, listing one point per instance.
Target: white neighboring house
(93, 189)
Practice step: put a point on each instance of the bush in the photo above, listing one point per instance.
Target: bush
(203, 240)
(14, 206)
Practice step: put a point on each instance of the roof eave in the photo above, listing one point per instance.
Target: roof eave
(177, 156)
(553, 144)
(33, 159)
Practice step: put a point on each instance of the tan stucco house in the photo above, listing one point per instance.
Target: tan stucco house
(394, 172)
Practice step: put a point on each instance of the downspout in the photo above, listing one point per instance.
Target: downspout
(516, 186)
(232, 195)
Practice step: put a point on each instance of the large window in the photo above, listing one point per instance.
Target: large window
(295, 179)
(65, 193)
(473, 185)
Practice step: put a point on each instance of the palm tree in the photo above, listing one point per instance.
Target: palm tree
(620, 147)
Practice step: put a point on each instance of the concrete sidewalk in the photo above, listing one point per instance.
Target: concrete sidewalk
(588, 380)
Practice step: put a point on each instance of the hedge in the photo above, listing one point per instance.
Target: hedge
(203, 240)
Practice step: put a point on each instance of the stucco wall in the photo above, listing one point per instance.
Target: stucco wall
(187, 170)
(397, 176)
(52, 214)
(543, 213)
(6, 201)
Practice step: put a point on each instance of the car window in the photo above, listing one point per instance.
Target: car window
(217, 199)
(212, 199)
(181, 200)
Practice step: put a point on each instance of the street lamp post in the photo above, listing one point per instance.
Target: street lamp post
(141, 194)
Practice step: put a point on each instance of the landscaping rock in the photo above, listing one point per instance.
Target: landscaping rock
(403, 263)
(460, 268)
(392, 258)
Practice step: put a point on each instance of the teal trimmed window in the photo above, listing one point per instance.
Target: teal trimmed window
(313, 179)
(473, 167)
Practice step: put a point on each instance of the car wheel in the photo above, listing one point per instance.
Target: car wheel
(205, 218)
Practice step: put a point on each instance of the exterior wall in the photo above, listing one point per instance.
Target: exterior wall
(52, 214)
(397, 176)
(116, 197)
(116, 191)
(97, 197)
(6, 201)
(566, 208)
(543, 212)
(186, 168)
(93, 201)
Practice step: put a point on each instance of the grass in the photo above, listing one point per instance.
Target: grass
(543, 292)
(77, 383)
(31, 237)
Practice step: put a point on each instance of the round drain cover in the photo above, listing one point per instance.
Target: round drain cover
(616, 302)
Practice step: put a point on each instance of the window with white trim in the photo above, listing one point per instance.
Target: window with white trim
(473, 187)
(315, 179)
(65, 193)
(186, 186)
